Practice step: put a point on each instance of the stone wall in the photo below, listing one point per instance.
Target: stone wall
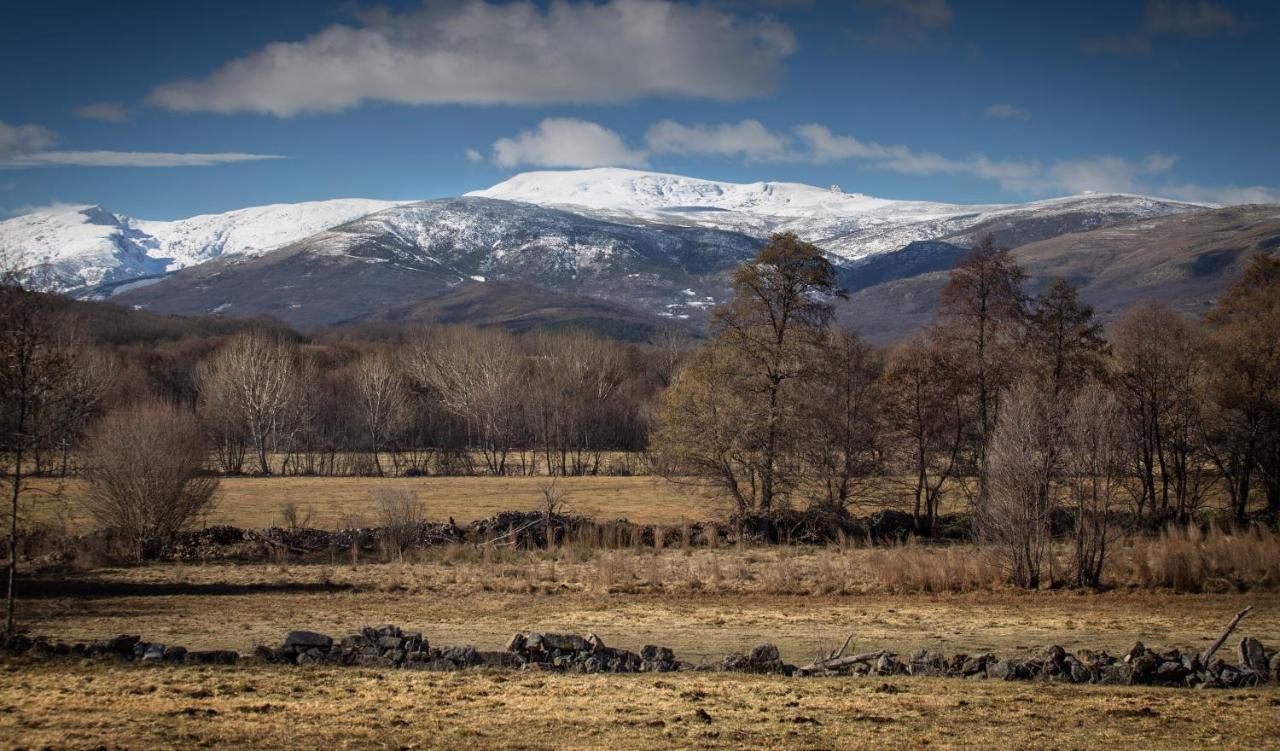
(390, 646)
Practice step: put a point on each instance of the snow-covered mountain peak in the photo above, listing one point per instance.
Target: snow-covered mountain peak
(76, 247)
(617, 189)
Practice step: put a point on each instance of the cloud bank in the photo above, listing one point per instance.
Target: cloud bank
(569, 142)
(477, 52)
(27, 146)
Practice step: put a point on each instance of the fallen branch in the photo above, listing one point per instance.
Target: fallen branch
(839, 663)
(1208, 653)
(843, 647)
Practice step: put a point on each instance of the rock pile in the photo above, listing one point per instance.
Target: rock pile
(380, 646)
(571, 653)
(123, 648)
(1138, 666)
(763, 658)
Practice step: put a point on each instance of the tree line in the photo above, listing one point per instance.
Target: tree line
(1018, 403)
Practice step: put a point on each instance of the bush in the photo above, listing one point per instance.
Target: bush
(145, 475)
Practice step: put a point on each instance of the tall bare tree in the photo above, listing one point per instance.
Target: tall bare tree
(256, 376)
(477, 374)
(1027, 450)
(981, 311)
(764, 341)
(50, 382)
(1245, 382)
(383, 400)
(1095, 471)
(840, 437)
(924, 415)
(1158, 374)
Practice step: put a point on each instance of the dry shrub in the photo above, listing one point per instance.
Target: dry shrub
(144, 475)
(1187, 559)
(400, 518)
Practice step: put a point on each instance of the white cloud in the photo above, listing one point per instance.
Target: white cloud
(475, 52)
(1007, 111)
(474, 155)
(1228, 195)
(748, 139)
(111, 112)
(128, 159)
(566, 142)
(25, 146)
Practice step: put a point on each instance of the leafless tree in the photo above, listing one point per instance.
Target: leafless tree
(1158, 374)
(51, 381)
(145, 475)
(981, 312)
(256, 378)
(1095, 472)
(924, 409)
(383, 400)
(840, 438)
(478, 375)
(1026, 455)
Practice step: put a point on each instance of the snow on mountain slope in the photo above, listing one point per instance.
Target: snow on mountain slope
(76, 248)
(849, 225)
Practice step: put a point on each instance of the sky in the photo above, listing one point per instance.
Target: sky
(162, 110)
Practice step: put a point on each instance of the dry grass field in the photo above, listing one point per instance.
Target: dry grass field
(704, 604)
(270, 707)
(255, 502)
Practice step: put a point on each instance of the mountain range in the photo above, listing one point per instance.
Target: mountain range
(622, 251)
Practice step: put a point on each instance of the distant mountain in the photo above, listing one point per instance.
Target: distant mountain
(847, 225)
(643, 246)
(1184, 260)
(77, 248)
(390, 259)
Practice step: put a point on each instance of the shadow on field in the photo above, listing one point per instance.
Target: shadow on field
(48, 587)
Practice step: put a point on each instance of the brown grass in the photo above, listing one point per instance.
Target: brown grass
(68, 705)
(257, 502)
(704, 603)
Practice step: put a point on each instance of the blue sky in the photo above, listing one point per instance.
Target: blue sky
(162, 110)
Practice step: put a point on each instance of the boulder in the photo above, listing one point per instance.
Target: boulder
(762, 653)
(517, 643)
(1253, 655)
(595, 643)
(153, 653)
(212, 657)
(1003, 670)
(303, 640)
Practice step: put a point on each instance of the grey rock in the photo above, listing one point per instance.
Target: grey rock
(153, 653)
(1003, 670)
(764, 653)
(1253, 655)
(517, 643)
(307, 640)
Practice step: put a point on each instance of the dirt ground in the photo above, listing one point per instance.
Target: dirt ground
(68, 705)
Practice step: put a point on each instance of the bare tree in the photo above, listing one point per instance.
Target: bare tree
(1095, 473)
(839, 443)
(50, 383)
(763, 348)
(477, 374)
(1158, 374)
(924, 411)
(981, 312)
(1026, 455)
(256, 378)
(145, 475)
(383, 400)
